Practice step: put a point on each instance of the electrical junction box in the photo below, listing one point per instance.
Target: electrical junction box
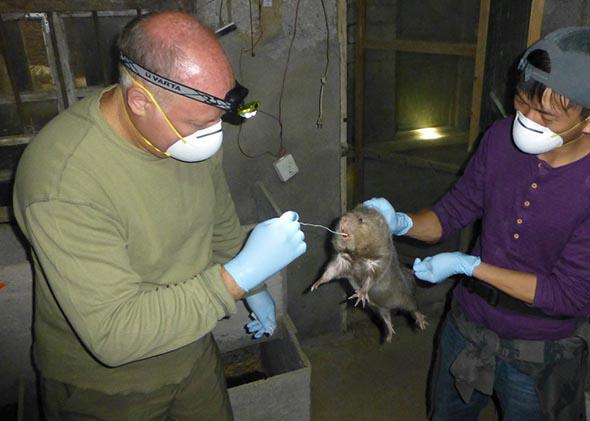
(286, 167)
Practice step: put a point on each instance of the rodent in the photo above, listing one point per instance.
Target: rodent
(366, 256)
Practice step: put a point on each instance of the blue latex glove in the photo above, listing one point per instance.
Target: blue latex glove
(263, 312)
(437, 268)
(399, 222)
(272, 245)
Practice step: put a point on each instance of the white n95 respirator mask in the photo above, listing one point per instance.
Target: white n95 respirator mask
(198, 146)
(531, 137)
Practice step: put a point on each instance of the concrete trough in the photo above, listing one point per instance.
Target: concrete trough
(268, 378)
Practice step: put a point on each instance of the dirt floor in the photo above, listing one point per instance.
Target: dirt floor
(356, 377)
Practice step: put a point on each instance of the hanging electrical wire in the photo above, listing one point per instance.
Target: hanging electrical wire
(253, 43)
(260, 112)
(280, 116)
(324, 79)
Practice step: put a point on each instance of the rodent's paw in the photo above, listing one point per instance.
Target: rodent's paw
(316, 285)
(361, 297)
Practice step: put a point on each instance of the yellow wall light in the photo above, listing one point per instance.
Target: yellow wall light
(429, 133)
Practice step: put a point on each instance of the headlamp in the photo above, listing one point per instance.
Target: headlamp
(233, 103)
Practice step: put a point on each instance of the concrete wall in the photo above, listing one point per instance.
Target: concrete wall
(560, 13)
(315, 191)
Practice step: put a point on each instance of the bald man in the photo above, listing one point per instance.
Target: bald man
(136, 246)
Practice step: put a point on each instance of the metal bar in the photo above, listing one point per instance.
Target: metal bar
(535, 21)
(69, 14)
(11, 73)
(480, 58)
(342, 40)
(7, 6)
(425, 47)
(359, 97)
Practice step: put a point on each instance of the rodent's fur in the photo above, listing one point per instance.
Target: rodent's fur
(367, 257)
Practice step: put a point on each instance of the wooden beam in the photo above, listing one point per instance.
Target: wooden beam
(359, 97)
(7, 6)
(535, 21)
(11, 70)
(480, 59)
(426, 47)
(63, 57)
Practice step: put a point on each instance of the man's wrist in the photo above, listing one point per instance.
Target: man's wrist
(233, 288)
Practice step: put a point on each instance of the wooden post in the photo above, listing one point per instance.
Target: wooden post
(359, 97)
(535, 21)
(11, 73)
(480, 59)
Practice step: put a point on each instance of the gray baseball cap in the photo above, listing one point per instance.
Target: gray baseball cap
(569, 53)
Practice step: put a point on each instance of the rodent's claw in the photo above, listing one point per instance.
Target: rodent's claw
(361, 297)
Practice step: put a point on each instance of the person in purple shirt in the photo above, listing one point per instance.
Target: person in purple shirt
(518, 326)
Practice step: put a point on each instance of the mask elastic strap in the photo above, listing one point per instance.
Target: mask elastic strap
(137, 130)
(149, 94)
(574, 126)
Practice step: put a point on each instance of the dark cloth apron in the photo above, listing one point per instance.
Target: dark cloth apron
(557, 367)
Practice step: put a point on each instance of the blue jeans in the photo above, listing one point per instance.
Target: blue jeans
(514, 389)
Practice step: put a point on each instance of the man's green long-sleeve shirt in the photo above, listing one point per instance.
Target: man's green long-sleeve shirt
(126, 250)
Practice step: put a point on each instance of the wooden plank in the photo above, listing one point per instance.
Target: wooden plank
(36, 96)
(480, 58)
(63, 55)
(29, 96)
(359, 97)
(426, 47)
(4, 214)
(7, 6)
(15, 140)
(11, 70)
(535, 21)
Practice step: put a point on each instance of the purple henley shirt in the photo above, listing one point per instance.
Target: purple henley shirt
(535, 219)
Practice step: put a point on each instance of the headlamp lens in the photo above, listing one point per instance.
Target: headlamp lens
(248, 110)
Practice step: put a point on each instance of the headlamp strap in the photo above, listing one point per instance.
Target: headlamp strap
(177, 88)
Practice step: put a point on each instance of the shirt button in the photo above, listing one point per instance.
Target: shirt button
(516, 236)
(540, 164)
(526, 203)
(534, 185)
(519, 221)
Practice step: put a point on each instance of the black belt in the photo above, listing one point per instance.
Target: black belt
(497, 298)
